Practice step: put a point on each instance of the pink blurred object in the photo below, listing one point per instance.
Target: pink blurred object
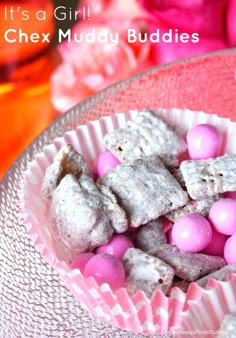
(169, 52)
(203, 17)
(231, 23)
(90, 67)
(113, 8)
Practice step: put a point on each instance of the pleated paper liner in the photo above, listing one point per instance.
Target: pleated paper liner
(137, 313)
(204, 315)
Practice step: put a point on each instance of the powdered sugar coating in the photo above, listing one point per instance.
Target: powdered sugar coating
(146, 134)
(78, 218)
(221, 275)
(204, 178)
(117, 216)
(188, 265)
(145, 189)
(199, 206)
(67, 161)
(228, 326)
(145, 272)
(150, 236)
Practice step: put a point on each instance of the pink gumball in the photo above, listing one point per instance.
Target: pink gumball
(117, 246)
(204, 141)
(222, 216)
(191, 233)
(229, 250)
(81, 260)
(106, 161)
(216, 245)
(106, 268)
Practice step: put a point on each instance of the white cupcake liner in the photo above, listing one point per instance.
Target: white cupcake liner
(137, 313)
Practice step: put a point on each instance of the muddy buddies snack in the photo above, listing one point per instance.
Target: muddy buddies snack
(144, 135)
(187, 265)
(150, 236)
(146, 272)
(67, 161)
(134, 196)
(204, 178)
(200, 206)
(80, 220)
(145, 189)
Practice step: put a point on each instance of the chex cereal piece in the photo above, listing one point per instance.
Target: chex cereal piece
(145, 272)
(200, 206)
(150, 236)
(78, 219)
(209, 177)
(117, 215)
(221, 275)
(145, 189)
(67, 161)
(145, 135)
(228, 326)
(189, 266)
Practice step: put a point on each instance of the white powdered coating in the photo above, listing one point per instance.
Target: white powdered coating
(67, 161)
(228, 326)
(200, 206)
(145, 135)
(221, 275)
(117, 216)
(188, 265)
(79, 221)
(204, 178)
(145, 189)
(145, 272)
(150, 236)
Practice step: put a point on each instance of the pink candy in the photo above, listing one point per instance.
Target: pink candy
(106, 269)
(230, 194)
(116, 246)
(204, 141)
(191, 233)
(106, 161)
(229, 250)
(216, 245)
(222, 216)
(81, 260)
